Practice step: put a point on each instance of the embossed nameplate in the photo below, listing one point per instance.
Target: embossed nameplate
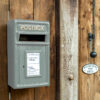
(90, 68)
(32, 27)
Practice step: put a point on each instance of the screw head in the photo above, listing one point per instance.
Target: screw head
(71, 77)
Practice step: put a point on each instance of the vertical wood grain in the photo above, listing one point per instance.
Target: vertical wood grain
(45, 10)
(3, 49)
(23, 94)
(69, 49)
(97, 46)
(87, 82)
(21, 9)
(57, 30)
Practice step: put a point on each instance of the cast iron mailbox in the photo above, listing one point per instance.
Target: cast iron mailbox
(28, 53)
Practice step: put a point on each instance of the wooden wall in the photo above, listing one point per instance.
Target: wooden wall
(31, 10)
(89, 85)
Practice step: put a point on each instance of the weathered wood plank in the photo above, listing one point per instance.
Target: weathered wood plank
(3, 49)
(21, 9)
(69, 49)
(97, 46)
(87, 86)
(45, 10)
(23, 94)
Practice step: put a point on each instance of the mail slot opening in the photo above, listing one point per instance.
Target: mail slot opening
(35, 38)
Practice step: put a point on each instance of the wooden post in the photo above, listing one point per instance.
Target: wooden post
(69, 49)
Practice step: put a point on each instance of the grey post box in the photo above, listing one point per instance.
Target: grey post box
(28, 53)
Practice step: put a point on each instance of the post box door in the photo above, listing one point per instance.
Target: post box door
(27, 75)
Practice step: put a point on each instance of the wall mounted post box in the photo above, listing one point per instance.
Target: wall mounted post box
(28, 53)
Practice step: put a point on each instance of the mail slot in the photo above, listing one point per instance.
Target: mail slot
(28, 53)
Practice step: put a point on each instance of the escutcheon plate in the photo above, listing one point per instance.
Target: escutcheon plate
(90, 68)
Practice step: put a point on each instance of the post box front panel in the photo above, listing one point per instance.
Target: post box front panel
(29, 55)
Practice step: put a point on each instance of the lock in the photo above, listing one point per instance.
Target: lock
(28, 53)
